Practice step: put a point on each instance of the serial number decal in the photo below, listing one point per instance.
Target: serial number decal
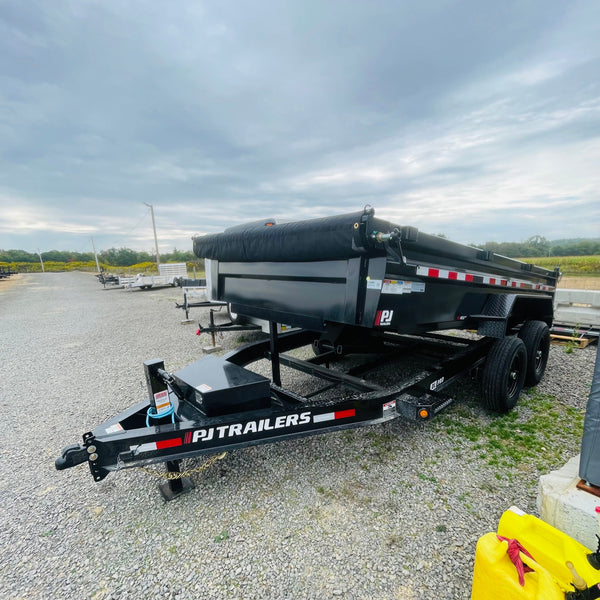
(374, 284)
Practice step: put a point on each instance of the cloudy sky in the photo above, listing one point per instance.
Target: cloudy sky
(478, 120)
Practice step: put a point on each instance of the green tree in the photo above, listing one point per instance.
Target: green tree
(18, 256)
(121, 257)
(539, 245)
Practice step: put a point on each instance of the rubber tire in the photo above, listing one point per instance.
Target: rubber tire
(536, 337)
(504, 374)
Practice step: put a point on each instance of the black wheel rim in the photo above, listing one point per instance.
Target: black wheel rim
(541, 355)
(515, 375)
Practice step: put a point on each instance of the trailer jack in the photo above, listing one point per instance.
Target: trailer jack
(176, 484)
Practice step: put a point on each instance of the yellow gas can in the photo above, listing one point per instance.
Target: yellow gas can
(496, 577)
(549, 546)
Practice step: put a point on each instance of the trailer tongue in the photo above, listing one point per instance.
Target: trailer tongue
(352, 285)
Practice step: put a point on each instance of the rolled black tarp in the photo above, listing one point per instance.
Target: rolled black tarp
(329, 238)
(589, 462)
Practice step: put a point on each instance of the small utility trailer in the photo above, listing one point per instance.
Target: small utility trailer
(198, 296)
(365, 296)
(169, 274)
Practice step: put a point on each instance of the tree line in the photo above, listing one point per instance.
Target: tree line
(116, 257)
(540, 246)
(125, 257)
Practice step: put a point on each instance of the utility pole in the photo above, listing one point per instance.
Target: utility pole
(41, 260)
(154, 229)
(95, 255)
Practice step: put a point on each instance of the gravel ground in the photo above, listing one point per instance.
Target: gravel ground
(391, 511)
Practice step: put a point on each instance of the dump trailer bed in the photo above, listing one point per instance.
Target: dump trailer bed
(348, 273)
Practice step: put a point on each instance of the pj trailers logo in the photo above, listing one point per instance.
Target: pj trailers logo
(383, 318)
(236, 430)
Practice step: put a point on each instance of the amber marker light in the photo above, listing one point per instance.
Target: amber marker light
(423, 413)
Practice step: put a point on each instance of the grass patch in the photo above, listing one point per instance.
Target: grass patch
(539, 433)
(221, 537)
(383, 443)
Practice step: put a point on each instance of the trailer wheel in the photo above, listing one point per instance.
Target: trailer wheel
(536, 337)
(504, 374)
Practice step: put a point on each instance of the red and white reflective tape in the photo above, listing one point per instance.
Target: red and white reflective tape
(334, 416)
(483, 279)
(159, 445)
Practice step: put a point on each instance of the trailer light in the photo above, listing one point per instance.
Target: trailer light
(93, 456)
(91, 449)
(423, 413)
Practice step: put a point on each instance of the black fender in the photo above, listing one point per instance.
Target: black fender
(504, 314)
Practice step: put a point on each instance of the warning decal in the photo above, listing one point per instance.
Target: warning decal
(116, 428)
(162, 402)
(399, 286)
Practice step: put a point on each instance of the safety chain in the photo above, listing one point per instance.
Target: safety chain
(170, 475)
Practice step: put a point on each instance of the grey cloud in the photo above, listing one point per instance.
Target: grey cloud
(105, 105)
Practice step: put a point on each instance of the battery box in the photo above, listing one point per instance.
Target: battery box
(218, 387)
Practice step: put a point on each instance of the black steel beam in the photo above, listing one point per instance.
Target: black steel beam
(355, 383)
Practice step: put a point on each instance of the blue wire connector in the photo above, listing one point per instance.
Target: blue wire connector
(152, 414)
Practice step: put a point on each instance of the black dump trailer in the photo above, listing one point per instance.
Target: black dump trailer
(352, 286)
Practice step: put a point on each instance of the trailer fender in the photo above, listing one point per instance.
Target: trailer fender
(503, 314)
(531, 308)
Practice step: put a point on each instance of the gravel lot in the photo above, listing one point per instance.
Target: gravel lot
(392, 511)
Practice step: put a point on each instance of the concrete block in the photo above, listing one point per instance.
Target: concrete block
(571, 510)
(211, 349)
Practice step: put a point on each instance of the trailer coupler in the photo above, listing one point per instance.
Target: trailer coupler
(72, 455)
(76, 454)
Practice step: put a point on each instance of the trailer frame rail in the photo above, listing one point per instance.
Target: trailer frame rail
(126, 441)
